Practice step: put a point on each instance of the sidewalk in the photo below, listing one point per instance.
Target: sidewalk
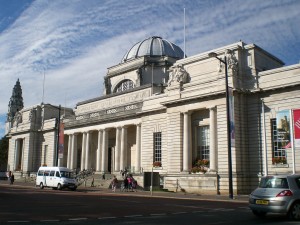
(142, 193)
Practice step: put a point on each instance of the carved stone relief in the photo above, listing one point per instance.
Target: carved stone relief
(178, 75)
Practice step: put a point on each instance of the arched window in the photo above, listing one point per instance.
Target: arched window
(124, 85)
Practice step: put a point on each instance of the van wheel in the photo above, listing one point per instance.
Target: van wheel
(59, 186)
(41, 186)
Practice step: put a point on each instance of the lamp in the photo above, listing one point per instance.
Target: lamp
(214, 55)
(58, 131)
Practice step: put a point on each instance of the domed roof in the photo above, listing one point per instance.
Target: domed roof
(154, 46)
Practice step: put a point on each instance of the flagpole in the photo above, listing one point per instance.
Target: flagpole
(184, 33)
(292, 140)
(43, 87)
(265, 139)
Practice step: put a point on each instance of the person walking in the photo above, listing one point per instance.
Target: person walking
(129, 179)
(134, 185)
(12, 178)
(114, 183)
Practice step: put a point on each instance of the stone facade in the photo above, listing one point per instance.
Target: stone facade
(171, 111)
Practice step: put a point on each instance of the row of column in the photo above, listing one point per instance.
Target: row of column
(120, 150)
(187, 140)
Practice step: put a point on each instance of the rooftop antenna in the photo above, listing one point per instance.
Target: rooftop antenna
(43, 87)
(184, 33)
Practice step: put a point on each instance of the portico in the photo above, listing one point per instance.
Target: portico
(105, 149)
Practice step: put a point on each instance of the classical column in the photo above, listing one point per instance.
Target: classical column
(82, 167)
(117, 149)
(87, 151)
(186, 141)
(138, 149)
(104, 158)
(17, 154)
(74, 152)
(123, 157)
(69, 152)
(99, 150)
(213, 140)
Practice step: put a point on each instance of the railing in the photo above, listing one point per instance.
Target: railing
(83, 175)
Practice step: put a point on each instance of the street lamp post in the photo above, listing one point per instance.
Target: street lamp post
(213, 54)
(58, 131)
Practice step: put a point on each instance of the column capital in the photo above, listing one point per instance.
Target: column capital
(212, 107)
(188, 112)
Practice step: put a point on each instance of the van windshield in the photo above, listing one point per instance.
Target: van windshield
(66, 174)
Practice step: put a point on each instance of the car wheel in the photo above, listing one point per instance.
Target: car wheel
(41, 185)
(59, 187)
(259, 214)
(294, 212)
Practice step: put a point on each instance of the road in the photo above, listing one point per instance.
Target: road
(29, 205)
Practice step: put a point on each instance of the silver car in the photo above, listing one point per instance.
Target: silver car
(277, 194)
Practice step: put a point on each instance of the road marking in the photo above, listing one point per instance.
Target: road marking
(77, 219)
(198, 211)
(133, 216)
(158, 214)
(18, 221)
(103, 218)
(49, 220)
(223, 209)
(179, 213)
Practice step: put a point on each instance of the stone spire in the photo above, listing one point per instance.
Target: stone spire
(16, 102)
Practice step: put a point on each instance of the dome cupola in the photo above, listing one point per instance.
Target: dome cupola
(154, 46)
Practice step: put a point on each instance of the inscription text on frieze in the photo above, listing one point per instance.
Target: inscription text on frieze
(114, 101)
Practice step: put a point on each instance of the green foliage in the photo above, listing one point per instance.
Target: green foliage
(3, 150)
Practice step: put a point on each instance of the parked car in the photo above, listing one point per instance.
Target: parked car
(277, 194)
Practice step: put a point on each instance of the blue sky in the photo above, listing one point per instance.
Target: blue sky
(74, 42)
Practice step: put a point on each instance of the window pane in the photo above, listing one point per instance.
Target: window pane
(125, 85)
(203, 140)
(157, 146)
(278, 150)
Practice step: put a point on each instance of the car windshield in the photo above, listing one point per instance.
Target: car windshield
(273, 182)
(66, 174)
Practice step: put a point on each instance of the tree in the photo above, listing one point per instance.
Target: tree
(3, 151)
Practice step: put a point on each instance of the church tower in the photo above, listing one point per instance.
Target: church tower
(15, 104)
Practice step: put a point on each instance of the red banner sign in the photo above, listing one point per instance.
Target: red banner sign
(296, 113)
(61, 141)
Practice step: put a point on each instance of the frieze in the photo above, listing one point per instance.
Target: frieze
(115, 101)
(131, 107)
(92, 115)
(111, 111)
(102, 113)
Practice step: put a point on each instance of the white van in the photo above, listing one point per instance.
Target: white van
(55, 177)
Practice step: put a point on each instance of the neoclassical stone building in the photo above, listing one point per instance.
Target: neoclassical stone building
(159, 106)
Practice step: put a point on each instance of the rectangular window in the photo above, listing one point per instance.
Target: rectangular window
(278, 151)
(203, 143)
(157, 146)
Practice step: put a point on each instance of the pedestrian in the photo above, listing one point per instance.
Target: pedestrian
(92, 184)
(129, 179)
(114, 183)
(125, 184)
(12, 178)
(134, 184)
